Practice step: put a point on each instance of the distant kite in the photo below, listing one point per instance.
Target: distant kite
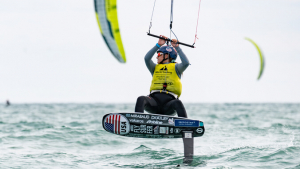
(262, 60)
(106, 14)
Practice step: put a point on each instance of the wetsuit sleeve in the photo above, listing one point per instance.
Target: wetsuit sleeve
(149, 63)
(180, 67)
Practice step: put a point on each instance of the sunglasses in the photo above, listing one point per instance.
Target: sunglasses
(160, 54)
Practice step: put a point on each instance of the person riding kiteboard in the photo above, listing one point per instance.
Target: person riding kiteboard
(166, 84)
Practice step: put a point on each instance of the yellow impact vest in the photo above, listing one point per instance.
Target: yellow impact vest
(166, 73)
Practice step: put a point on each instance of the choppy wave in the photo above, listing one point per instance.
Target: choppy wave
(71, 136)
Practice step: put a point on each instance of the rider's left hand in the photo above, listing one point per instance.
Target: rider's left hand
(174, 43)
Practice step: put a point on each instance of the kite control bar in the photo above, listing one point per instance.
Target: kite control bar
(168, 40)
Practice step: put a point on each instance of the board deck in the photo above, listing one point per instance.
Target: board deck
(144, 125)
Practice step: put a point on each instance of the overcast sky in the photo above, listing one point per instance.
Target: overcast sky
(51, 51)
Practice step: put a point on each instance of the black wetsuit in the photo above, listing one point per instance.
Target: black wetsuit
(162, 103)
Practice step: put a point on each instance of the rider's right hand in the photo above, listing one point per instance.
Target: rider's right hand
(162, 41)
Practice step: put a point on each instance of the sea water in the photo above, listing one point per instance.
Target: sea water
(72, 136)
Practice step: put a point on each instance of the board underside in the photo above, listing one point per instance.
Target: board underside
(144, 125)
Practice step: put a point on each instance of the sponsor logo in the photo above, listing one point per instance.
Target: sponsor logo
(187, 123)
(169, 49)
(164, 72)
(154, 122)
(149, 129)
(159, 118)
(127, 115)
(199, 130)
(116, 123)
(141, 116)
(136, 129)
(177, 130)
(136, 121)
(164, 130)
(164, 68)
(143, 129)
(171, 121)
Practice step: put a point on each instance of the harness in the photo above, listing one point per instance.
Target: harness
(164, 91)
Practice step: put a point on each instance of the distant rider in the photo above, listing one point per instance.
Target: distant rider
(166, 84)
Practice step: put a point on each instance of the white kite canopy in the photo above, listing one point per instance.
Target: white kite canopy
(107, 17)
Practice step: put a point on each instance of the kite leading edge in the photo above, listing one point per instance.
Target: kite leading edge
(107, 17)
(262, 60)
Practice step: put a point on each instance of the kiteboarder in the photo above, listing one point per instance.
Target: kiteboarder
(7, 103)
(166, 84)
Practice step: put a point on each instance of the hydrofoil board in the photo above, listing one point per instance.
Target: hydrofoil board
(144, 125)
